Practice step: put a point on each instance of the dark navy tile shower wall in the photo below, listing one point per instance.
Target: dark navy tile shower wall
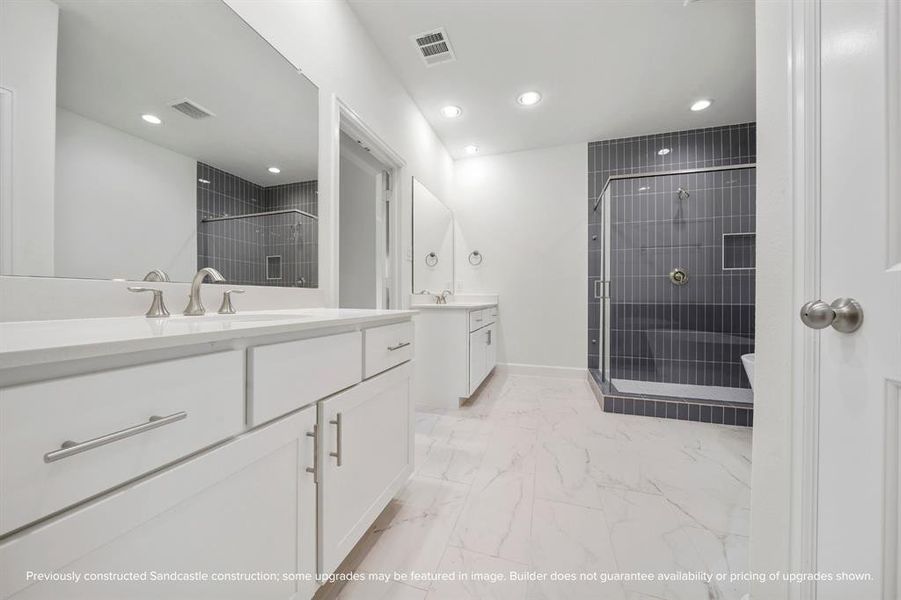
(660, 332)
(239, 248)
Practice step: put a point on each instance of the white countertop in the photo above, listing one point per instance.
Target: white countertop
(458, 305)
(30, 343)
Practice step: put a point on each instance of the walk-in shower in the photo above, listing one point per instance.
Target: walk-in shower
(676, 284)
(671, 273)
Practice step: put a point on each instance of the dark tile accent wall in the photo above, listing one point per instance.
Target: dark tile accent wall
(238, 248)
(694, 333)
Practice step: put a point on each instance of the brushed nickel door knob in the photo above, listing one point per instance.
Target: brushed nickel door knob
(844, 314)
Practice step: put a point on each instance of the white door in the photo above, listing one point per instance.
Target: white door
(860, 257)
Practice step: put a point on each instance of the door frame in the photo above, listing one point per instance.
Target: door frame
(350, 123)
(787, 395)
(785, 455)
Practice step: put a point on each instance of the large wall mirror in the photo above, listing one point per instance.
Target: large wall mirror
(182, 140)
(433, 242)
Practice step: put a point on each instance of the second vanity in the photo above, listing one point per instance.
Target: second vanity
(198, 457)
(458, 349)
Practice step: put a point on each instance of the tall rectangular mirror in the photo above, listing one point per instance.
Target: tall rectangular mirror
(157, 163)
(433, 242)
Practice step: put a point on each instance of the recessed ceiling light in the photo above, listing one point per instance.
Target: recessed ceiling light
(275, 170)
(152, 119)
(529, 98)
(471, 149)
(701, 104)
(451, 111)
(663, 151)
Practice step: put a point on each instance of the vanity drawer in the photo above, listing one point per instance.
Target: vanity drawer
(200, 400)
(477, 319)
(287, 376)
(492, 314)
(388, 346)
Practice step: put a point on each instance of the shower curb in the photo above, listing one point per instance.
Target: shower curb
(672, 408)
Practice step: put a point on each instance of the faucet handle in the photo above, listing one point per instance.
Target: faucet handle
(157, 275)
(157, 307)
(227, 308)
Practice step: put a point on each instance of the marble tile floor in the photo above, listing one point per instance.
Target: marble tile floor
(533, 476)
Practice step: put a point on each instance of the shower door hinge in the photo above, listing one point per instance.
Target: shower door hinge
(601, 289)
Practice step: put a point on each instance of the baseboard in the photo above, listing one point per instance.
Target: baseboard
(543, 370)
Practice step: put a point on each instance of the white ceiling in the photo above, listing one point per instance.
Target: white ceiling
(606, 68)
(119, 60)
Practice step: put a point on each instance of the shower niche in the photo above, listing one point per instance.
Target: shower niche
(674, 270)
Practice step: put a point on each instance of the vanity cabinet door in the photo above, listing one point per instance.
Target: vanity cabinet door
(478, 355)
(243, 507)
(490, 348)
(366, 453)
(482, 355)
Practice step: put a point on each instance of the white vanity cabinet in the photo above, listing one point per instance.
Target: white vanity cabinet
(285, 449)
(366, 454)
(457, 350)
(243, 507)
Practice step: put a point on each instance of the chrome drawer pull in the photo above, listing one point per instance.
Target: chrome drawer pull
(337, 453)
(315, 468)
(70, 448)
(398, 347)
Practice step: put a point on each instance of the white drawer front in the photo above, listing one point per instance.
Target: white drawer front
(284, 377)
(477, 319)
(203, 396)
(388, 346)
(492, 314)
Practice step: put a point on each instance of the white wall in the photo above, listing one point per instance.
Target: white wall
(526, 213)
(329, 44)
(124, 206)
(359, 195)
(28, 70)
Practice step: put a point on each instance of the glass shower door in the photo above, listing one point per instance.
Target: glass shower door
(677, 283)
(604, 285)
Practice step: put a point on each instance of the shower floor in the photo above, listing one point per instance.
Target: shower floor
(681, 390)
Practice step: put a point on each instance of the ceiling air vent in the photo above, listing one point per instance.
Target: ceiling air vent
(434, 47)
(191, 109)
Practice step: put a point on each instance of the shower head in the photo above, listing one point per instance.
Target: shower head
(683, 194)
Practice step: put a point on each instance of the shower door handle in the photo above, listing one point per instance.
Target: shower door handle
(601, 289)
(844, 314)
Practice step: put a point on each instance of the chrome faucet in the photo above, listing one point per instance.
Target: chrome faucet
(442, 297)
(195, 306)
